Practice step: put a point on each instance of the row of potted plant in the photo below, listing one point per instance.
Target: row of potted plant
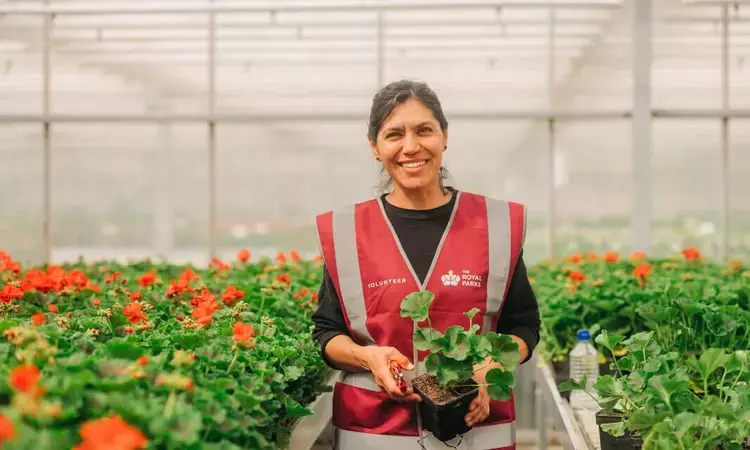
(672, 335)
(106, 355)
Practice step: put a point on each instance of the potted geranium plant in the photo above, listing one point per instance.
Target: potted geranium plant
(448, 386)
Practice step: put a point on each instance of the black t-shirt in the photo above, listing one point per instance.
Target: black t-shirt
(419, 232)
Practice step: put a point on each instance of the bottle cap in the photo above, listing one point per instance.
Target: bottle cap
(584, 335)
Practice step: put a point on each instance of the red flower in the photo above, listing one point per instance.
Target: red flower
(284, 278)
(7, 430)
(232, 294)
(179, 286)
(135, 296)
(96, 302)
(219, 264)
(611, 257)
(242, 333)
(642, 271)
(577, 276)
(294, 255)
(147, 279)
(188, 275)
(142, 361)
(243, 255)
(691, 254)
(110, 433)
(134, 313)
(575, 258)
(303, 292)
(638, 255)
(9, 293)
(202, 313)
(53, 309)
(38, 319)
(280, 257)
(25, 378)
(112, 278)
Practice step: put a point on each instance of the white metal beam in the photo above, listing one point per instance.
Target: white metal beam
(322, 116)
(310, 6)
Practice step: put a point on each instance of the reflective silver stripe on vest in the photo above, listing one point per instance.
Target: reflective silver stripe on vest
(498, 228)
(350, 281)
(478, 438)
(365, 380)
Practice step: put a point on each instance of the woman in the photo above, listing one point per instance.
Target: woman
(421, 235)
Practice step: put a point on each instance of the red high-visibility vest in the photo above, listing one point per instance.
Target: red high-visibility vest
(371, 273)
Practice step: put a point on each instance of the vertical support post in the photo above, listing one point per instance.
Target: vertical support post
(380, 51)
(552, 101)
(725, 175)
(641, 124)
(211, 134)
(46, 136)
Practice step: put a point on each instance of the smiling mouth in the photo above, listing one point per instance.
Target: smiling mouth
(413, 164)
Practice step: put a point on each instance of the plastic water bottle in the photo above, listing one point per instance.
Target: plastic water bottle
(584, 361)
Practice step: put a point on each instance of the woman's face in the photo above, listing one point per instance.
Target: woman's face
(410, 145)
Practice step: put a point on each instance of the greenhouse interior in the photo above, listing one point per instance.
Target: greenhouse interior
(167, 170)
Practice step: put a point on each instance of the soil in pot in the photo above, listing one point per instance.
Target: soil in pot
(443, 410)
(627, 441)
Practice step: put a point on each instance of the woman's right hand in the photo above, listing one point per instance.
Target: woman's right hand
(377, 360)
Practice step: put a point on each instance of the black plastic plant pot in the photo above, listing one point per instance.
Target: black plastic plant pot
(446, 420)
(627, 441)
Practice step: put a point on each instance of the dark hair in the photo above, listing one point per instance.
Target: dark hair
(394, 94)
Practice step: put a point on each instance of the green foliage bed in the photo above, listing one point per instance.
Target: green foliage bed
(674, 334)
(156, 355)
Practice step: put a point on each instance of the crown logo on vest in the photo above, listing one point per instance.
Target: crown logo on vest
(450, 279)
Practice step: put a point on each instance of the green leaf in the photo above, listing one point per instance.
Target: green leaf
(610, 391)
(683, 422)
(455, 343)
(225, 384)
(416, 305)
(625, 364)
(616, 429)
(185, 341)
(504, 350)
(294, 409)
(642, 419)
(636, 380)
(607, 340)
(427, 339)
(471, 313)
(480, 346)
(120, 348)
(710, 361)
(714, 406)
(447, 370)
(652, 366)
(573, 385)
(500, 382)
(292, 373)
(638, 342)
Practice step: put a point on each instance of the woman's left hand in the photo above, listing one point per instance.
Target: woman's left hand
(479, 409)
